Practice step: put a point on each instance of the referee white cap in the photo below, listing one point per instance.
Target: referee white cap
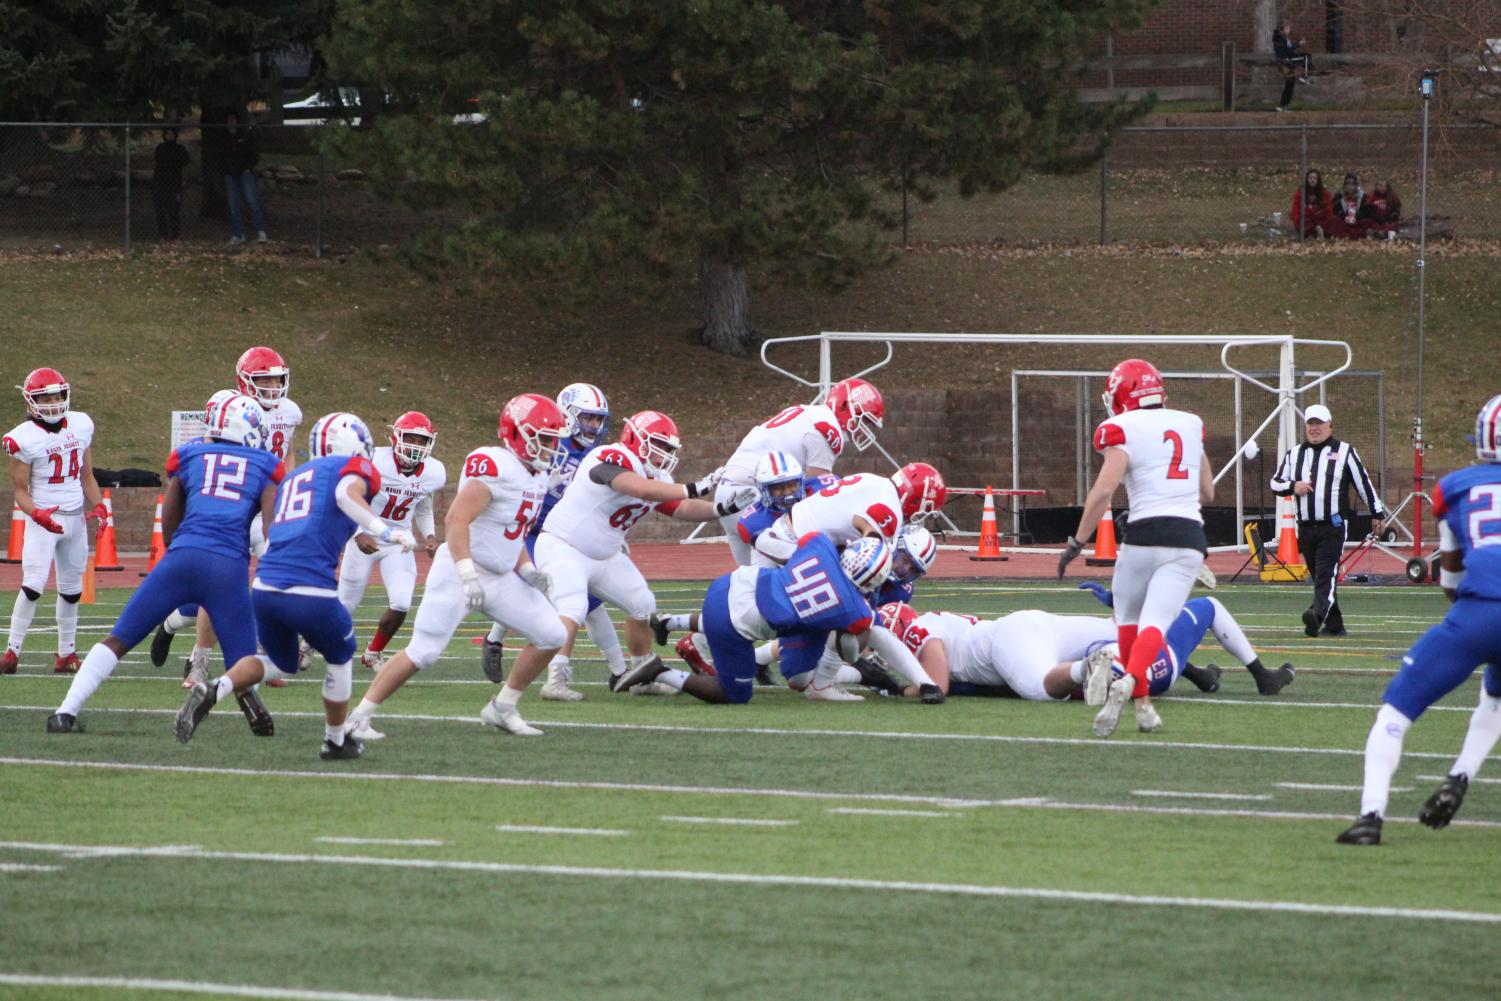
(1317, 412)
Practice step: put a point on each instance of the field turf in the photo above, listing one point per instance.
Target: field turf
(661, 848)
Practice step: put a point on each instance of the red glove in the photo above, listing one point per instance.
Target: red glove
(43, 516)
(100, 513)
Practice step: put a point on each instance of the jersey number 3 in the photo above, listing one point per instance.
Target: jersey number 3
(1175, 470)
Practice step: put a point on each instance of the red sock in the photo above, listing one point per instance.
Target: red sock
(1125, 638)
(379, 640)
(1145, 650)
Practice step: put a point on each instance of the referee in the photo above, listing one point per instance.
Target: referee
(1319, 473)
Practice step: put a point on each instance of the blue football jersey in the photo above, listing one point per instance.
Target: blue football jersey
(1469, 500)
(562, 475)
(222, 484)
(754, 520)
(811, 592)
(310, 532)
(894, 590)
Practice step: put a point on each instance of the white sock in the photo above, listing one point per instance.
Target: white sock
(176, 622)
(679, 623)
(202, 652)
(20, 620)
(334, 734)
(1485, 728)
(602, 634)
(827, 672)
(67, 627)
(366, 708)
(1230, 635)
(508, 696)
(497, 633)
(97, 666)
(223, 688)
(1077, 672)
(674, 678)
(766, 654)
(846, 675)
(557, 664)
(1383, 752)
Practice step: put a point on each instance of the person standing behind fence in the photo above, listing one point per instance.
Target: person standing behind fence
(1294, 61)
(1318, 474)
(240, 158)
(166, 184)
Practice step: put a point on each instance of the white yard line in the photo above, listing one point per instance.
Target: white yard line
(1321, 787)
(199, 987)
(860, 811)
(1473, 780)
(1169, 794)
(1192, 811)
(730, 821)
(25, 867)
(588, 832)
(822, 882)
(415, 842)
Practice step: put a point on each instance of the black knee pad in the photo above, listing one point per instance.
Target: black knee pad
(30, 594)
(71, 599)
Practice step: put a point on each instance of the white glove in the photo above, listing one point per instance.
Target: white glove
(399, 536)
(742, 498)
(536, 578)
(705, 486)
(474, 591)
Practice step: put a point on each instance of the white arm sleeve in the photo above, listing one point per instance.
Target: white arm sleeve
(422, 517)
(896, 655)
(1448, 542)
(362, 516)
(774, 544)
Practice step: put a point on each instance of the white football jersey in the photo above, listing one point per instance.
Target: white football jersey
(498, 535)
(965, 640)
(1163, 448)
(281, 422)
(594, 518)
(809, 434)
(401, 493)
(833, 509)
(56, 459)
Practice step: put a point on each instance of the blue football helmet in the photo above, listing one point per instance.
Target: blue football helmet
(780, 479)
(588, 413)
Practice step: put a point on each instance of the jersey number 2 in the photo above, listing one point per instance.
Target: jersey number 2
(1175, 470)
(1485, 522)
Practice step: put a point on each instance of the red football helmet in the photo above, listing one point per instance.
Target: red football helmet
(898, 618)
(653, 436)
(922, 490)
(1133, 384)
(533, 427)
(412, 439)
(44, 382)
(858, 408)
(264, 376)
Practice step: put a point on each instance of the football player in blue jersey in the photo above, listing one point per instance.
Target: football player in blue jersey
(819, 599)
(1467, 504)
(1199, 616)
(589, 426)
(215, 487)
(319, 507)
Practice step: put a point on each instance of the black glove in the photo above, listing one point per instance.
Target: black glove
(742, 498)
(1070, 553)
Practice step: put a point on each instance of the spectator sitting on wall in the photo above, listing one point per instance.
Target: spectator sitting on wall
(1313, 206)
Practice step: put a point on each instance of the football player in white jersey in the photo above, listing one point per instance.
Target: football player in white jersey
(409, 476)
(52, 475)
(582, 546)
(814, 435)
(1160, 454)
(483, 566)
(862, 504)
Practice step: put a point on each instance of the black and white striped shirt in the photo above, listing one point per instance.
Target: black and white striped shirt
(1332, 467)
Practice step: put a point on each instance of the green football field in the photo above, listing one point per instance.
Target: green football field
(662, 848)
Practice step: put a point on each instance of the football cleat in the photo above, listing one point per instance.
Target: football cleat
(506, 718)
(492, 660)
(659, 630)
(1310, 622)
(359, 726)
(1365, 831)
(304, 656)
(65, 664)
(830, 693)
(347, 751)
(763, 676)
(8, 662)
(256, 713)
(195, 671)
(659, 688)
(1147, 720)
(694, 654)
(1100, 674)
(639, 675)
(1205, 679)
(1109, 716)
(161, 646)
(931, 695)
(200, 700)
(559, 682)
(373, 659)
(874, 675)
(62, 723)
(1272, 682)
(1445, 803)
(1206, 577)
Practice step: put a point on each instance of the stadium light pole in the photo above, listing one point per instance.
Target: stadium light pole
(1428, 82)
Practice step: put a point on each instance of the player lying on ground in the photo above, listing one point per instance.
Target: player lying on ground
(52, 479)
(1183, 637)
(818, 601)
(215, 487)
(319, 507)
(1467, 504)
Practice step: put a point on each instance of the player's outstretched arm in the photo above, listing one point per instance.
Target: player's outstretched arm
(350, 496)
(635, 485)
(706, 510)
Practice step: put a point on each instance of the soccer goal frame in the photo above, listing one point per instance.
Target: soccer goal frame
(1286, 389)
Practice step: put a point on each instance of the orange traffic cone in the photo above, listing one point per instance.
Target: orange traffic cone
(106, 558)
(158, 544)
(1104, 542)
(1291, 565)
(990, 536)
(88, 596)
(17, 536)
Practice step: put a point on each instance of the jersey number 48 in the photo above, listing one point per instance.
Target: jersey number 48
(811, 591)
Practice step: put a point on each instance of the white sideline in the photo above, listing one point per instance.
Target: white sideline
(1324, 787)
(415, 842)
(730, 821)
(596, 832)
(1170, 794)
(820, 882)
(860, 811)
(200, 987)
